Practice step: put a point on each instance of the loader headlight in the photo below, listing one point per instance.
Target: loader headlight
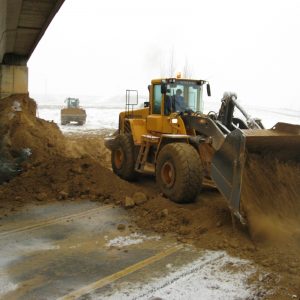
(174, 121)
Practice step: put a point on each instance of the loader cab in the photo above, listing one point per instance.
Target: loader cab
(166, 92)
(170, 97)
(72, 102)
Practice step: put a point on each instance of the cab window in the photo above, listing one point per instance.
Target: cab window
(183, 96)
(157, 96)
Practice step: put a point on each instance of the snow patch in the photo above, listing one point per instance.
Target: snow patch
(132, 239)
(215, 275)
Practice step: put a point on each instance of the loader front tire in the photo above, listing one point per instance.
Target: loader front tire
(123, 158)
(179, 172)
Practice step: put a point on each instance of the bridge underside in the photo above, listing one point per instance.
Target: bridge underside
(22, 25)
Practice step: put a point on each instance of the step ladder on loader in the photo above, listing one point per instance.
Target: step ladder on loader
(141, 164)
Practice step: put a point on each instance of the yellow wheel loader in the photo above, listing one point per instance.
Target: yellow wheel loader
(174, 140)
(72, 112)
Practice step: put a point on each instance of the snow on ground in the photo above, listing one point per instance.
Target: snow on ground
(132, 239)
(215, 275)
(99, 118)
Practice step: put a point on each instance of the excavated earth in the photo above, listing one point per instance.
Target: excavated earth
(77, 167)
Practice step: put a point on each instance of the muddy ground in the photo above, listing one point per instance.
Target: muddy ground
(77, 167)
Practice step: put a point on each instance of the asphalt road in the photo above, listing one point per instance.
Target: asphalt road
(84, 250)
(68, 250)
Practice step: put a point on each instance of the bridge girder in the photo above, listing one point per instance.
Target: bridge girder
(22, 25)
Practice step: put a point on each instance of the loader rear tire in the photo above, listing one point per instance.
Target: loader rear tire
(123, 158)
(179, 172)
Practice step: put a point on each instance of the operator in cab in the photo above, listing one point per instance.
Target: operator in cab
(179, 103)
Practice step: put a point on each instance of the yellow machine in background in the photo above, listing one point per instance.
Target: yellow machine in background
(181, 145)
(72, 112)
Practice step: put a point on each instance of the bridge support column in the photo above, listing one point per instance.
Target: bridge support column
(13, 80)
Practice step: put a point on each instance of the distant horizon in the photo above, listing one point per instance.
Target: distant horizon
(118, 100)
(101, 116)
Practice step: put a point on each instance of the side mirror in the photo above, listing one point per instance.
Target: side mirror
(208, 90)
(163, 88)
(146, 104)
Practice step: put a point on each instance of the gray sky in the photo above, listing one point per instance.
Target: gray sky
(102, 48)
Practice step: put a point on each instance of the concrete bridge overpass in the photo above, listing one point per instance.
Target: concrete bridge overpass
(22, 25)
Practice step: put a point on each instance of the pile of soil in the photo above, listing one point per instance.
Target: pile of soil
(91, 145)
(59, 167)
(61, 178)
(20, 129)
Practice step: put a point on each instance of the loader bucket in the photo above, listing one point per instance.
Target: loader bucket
(232, 161)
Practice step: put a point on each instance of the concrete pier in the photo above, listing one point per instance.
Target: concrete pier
(13, 80)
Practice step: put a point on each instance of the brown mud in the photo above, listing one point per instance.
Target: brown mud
(77, 167)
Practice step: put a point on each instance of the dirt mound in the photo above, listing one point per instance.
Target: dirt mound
(189, 220)
(65, 178)
(59, 167)
(20, 128)
(78, 145)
